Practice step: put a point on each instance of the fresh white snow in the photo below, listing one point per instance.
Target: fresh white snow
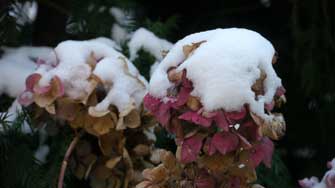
(149, 42)
(16, 64)
(222, 69)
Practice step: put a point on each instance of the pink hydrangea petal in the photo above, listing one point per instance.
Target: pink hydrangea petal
(210, 147)
(250, 130)
(204, 181)
(234, 182)
(182, 97)
(237, 116)
(31, 81)
(196, 118)
(280, 91)
(26, 98)
(308, 182)
(191, 148)
(221, 121)
(330, 179)
(151, 103)
(41, 90)
(262, 153)
(225, 142)
(159, 109)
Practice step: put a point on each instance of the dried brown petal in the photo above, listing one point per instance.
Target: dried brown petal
(155, 175)
(67, 108)
(144, 184)
(193, 103)
(258, 86)
(217, 163)
(133, 119)
(112, 162)
(174, 76)
(141, 150)
(188, 49)
(112, 143)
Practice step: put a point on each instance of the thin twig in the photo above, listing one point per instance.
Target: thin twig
(66, 158)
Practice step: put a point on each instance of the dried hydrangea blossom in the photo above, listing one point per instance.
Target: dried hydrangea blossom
(96, 90)
(328, 180)
(215, 91)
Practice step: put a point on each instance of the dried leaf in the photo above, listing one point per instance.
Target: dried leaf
(112, 162)
(188, 49)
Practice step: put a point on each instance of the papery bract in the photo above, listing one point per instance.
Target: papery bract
(225, 142)
(196, 118)
(31, 81)
(262, 153)
(190, 148)
(204, 180)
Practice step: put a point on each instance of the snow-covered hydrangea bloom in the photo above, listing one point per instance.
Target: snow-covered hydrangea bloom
(215, 91)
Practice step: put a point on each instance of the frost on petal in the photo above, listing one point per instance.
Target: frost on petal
(31, 81)
(191, 148)
(262, 153)
(26, 98)
(308, 182)
(221, 121)
(225, 142)
(196, 118)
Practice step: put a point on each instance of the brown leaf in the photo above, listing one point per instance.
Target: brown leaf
(174, 76)
(67, 109)
(155, 175)
(103, 125)
(258, 86)
(141, 150)
(112, 143)
(112, 162)
(133, 119)
(188, 49)
(217, 163)
(193, 103)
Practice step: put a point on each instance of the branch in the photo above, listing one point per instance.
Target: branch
(66, 158)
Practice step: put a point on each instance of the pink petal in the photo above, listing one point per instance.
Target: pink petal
(308, 183)
(234, 182)
(186, 82)
(191, 148)
(210, 147)
(330, 179)
(280, 91)
(225, 142)
(204, 181)
(182, 97)
(41, 90)
(262, 153)
(221, 121)
(235, 117)
(31, 81)
(196, 118)
(159, 109)
(250, 130)
(26, 98)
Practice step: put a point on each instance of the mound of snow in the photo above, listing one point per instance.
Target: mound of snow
(222, 69)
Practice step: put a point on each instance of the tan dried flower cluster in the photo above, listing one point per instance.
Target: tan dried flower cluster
(124, 141)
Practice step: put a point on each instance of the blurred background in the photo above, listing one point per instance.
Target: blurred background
(302, 31)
